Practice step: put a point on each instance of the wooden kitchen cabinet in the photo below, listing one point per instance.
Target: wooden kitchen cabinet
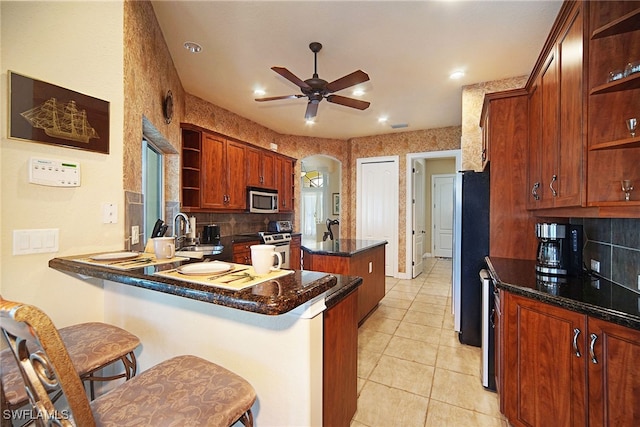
(284, 182)
(564, 368)
(190, 168)
(614, 41)
(242, 251)
(295, 252)
(544, 381)
(340, 362)
(222, 170)
(216, 170)
(556, 170)
(505, 121)
(614, 377)
(260, 168)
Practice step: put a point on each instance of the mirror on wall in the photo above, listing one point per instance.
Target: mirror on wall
(320, 183)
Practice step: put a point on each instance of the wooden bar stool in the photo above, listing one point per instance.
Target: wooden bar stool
(91, 346)
(184, 390)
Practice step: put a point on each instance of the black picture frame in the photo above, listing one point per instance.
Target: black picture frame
(45, 113)
(335, 205)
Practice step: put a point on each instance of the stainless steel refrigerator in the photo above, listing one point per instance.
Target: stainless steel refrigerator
(474, 247)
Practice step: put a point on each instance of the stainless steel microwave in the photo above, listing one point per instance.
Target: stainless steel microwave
(262, 200)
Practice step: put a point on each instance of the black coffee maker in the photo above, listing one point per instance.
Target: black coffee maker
(211, 235)
(559, 249)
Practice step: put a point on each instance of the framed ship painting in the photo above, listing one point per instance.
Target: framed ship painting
(50, 114)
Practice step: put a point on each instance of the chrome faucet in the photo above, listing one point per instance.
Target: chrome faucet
(178, 228)
(329, 233)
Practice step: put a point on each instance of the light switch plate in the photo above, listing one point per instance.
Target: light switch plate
(595, 265)
(35, 241)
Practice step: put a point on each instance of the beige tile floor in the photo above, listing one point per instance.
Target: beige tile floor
(412, 370)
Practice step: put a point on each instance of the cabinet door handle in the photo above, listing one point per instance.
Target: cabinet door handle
(554, 178)
(576, 333)
(592, 351)
(492, 318)
(534, 191)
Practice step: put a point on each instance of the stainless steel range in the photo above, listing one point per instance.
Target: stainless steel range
(282, 241)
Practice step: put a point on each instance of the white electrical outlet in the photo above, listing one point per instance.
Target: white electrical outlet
(595, 265)
(109, 213)
(135, 234)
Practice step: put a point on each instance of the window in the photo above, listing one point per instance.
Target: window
(152, 185)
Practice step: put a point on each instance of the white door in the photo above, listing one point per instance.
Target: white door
(377, 205)
(443, 215)
(418, 179)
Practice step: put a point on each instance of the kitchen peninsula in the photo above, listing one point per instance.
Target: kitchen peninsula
(270, 333)
(364, 258)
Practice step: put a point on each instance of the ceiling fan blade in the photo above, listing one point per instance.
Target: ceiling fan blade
(348, 102)
(349, 80)
(275, 98)
(291, 77)
(312, 110)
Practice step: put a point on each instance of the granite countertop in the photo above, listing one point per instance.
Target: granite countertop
(587, 294)
(276, 297)
(341, 247)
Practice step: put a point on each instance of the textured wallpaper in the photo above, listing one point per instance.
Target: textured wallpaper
(150, 73)
(472, 99)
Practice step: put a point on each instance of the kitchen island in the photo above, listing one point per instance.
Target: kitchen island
(271, 333)
(363, 258)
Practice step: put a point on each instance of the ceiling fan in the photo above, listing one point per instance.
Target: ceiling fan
(316, 88)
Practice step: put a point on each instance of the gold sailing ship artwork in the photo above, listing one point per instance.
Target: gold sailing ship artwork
(42, 112)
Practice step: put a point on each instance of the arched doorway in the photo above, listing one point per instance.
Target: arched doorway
(320, 183)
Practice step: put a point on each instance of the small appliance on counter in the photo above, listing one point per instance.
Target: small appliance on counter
(279, 227)
(211, 235)
(559, 249)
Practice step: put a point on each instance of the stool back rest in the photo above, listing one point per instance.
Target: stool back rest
(45, 367)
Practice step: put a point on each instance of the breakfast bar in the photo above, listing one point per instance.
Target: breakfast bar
(270, 333)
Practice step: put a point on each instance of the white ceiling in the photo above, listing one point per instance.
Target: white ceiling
(408, 49)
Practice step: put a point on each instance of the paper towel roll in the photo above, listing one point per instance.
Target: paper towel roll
(192, 227)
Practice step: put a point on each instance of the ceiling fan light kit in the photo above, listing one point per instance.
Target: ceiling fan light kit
(317, 89)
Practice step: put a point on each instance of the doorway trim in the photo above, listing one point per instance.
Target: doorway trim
(457, 228)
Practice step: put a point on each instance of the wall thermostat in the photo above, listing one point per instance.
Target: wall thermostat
(54, 173)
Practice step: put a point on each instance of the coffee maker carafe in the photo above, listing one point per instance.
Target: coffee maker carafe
(559, 249)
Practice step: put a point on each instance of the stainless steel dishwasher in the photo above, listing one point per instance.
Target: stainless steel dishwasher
(488, 372)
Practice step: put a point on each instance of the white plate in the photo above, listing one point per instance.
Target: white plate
(113, 256)
(204, 268)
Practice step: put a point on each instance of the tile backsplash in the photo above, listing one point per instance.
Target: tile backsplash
(615, 243)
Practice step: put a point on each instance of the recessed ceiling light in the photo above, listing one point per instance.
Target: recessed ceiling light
(358, 92)
(259, 92)
(192, 47)
(382, 119)
(309, 121)
(456, 75)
